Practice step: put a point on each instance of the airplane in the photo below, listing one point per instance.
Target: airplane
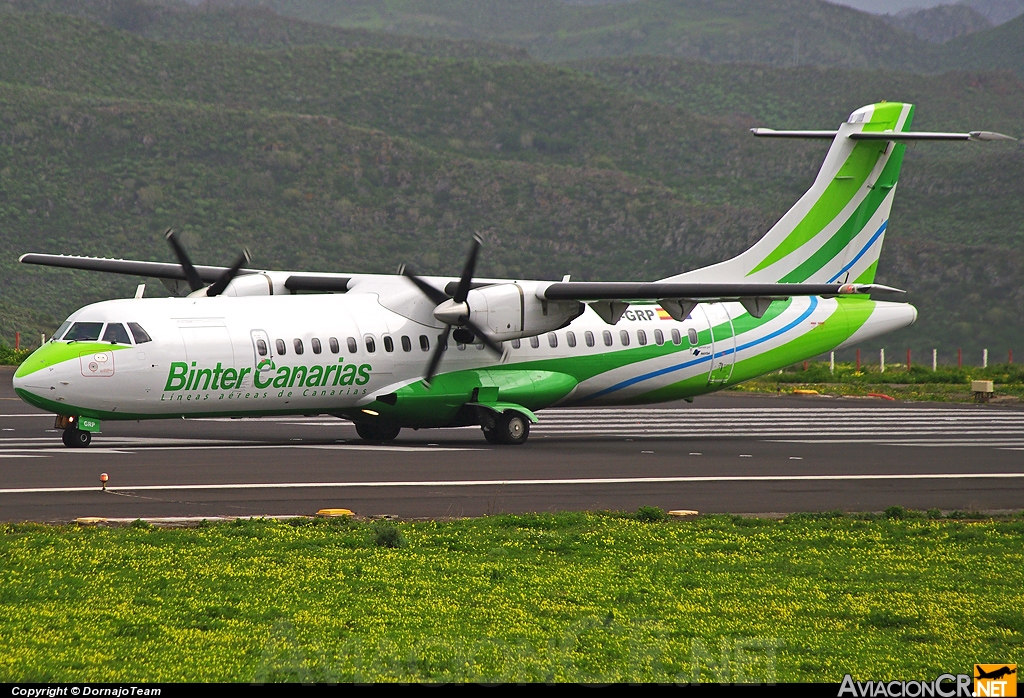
(375, 349)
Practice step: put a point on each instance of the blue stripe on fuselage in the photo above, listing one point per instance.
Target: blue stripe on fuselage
(679, 367)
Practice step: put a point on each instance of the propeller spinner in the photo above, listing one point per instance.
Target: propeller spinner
(453, 311)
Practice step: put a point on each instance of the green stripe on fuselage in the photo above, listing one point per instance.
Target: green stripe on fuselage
(58, 352)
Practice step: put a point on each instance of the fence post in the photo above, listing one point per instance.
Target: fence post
(17, 341)
(935, 360)
(858, 361)
(959, 358)
(881, 360)
(1010, 360)
(832, 362)
(984, 358)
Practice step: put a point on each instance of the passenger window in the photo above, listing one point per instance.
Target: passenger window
(424, 342)
(371, 346)
(389, 344)
(535, 341)
(315, 344)
(659, 337)
(261, 347)
(84, 332)
(297, 343)
(480, 345)
(570, 339)
(141, 336)
(333, 344)
(676, 338)
(116, 334)
(352, 346)
(281, 348)
(641, 337)
(516, 343)
(624, 337)
(607, 337)
(589, 337)
(691, 334)
(461, 346)
(406, 343)
(552, 340)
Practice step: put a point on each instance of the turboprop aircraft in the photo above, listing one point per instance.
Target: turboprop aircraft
(375, 349)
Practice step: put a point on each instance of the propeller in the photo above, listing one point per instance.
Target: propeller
(195, 282)
(453, 311)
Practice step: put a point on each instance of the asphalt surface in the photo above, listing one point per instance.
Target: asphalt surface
(724, 453)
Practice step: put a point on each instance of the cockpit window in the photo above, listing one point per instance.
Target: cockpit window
(116, 334)
(84, 332)
(60, 331)
(141, 336)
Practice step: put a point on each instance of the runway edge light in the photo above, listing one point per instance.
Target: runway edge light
(683, 512)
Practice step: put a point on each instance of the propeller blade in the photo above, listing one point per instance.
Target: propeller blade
(220, 284)
(435, 358)
(436, 296)
(191, 275)
(466, 282)
(488, 342)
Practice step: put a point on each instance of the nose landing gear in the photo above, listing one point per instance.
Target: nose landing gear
(76, 438)
(73, 437)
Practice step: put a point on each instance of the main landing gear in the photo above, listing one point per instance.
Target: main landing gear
(377, 432)
(76, 438)
(510, 428)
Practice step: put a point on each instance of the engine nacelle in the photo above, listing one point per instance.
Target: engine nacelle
(513, 310)
(251, 285)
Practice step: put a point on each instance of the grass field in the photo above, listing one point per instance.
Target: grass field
(581, 597)
(920, 383)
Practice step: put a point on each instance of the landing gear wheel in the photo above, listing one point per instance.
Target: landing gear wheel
(76, 438)
(492, 436)
(377, 432)
(512, 428)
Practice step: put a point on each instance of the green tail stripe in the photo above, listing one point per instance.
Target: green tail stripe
(853, 227)
(868, 276)
(835, 198)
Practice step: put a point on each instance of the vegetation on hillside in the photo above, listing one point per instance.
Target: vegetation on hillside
(625, 168)
(178, 21)
(774, 32)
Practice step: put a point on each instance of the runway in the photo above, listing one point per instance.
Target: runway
(724, 453)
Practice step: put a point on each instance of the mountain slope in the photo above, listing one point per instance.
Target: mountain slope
(776, 32)
(1001, 47)
(333, 159)
(257, 27)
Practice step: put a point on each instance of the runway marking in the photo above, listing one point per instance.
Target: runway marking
(529, 482)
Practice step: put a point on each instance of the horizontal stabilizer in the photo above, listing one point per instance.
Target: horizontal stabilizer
(657, 290)
(887, 135)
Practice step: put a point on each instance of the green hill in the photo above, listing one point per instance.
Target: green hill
(1001, 47)
(255, 26)
(337, 159)
(776, 32)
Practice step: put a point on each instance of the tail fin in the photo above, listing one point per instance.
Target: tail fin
(834, 233)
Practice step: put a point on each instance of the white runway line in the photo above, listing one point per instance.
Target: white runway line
(519, 483)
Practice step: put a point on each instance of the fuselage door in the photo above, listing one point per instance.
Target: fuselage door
(263, 353)
(723, 340)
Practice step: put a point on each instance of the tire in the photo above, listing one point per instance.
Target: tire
(76, 438)
(377, 432)
(513, 428)
(492, 436)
